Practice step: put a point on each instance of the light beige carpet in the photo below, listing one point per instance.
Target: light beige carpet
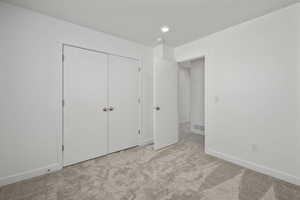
(180, 172)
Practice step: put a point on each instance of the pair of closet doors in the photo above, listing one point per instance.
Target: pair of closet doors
(101, 109)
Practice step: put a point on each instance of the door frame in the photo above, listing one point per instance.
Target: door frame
(60, 148)
(206, 57)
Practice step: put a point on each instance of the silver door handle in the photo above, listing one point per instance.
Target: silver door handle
(104, 109)
(111, 108)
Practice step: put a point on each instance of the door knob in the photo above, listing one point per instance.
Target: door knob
(157, 108)
(111, 108)
(104, 109)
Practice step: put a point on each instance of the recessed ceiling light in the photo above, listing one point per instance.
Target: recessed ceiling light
(165, 29)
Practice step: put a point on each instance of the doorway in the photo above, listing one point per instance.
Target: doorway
(191, 99)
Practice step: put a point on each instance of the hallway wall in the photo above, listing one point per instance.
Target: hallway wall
(184, 94)
(197, 95)
(191, 94)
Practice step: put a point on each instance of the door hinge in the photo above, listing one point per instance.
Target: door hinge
(140, 69)
(63, 57)
(139, 132)
(63, 103)
(139, 100)
(63, 147)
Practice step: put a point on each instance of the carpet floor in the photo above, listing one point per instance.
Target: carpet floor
(180, 172)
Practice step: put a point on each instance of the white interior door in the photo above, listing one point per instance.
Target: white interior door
(123, 101)
(85, 94)
(165, 103)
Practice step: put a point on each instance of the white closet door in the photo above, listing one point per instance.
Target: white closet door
(85, 94)
(123, 98)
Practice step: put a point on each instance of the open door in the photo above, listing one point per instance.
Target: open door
(165, 103)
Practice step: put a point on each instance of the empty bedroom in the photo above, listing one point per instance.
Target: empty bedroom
(150, 100)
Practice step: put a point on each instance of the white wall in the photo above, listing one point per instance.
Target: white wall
(184, 94)
(197, 95)
(252, 85)
(30, 85)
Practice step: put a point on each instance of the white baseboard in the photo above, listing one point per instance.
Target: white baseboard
(259, 168)
(29, 174)
(146, 142)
